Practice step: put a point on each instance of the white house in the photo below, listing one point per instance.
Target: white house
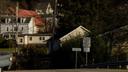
(32, 28)
(8, 24)
(79, 31)
(25, 25)
(28, 39)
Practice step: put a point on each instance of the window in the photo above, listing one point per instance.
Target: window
(7, 20)
(15, 28)
(6, 36)
(22, 28)
(21, 40)
(7, 28)
(3, 20)
(18, 20)
(30, 38)
(22, 20)
(41, 38)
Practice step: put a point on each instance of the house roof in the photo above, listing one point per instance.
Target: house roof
(28, 13)
(79, 31)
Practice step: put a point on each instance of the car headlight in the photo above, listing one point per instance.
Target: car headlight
(10, 58)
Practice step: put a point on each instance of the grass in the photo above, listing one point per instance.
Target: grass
(7, 49)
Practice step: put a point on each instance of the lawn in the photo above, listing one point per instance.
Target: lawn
(7, 49)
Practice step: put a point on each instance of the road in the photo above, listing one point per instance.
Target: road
(4, 59)
(73, 70)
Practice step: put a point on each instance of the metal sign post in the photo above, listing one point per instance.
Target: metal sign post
(1, 70)
(76, 50)
(86, 46)
(76, 60)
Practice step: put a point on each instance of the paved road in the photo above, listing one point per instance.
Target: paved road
(4, 59)
(73, 70)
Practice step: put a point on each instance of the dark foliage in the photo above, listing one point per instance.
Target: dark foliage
(32, 58)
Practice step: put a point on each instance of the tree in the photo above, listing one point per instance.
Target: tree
(32, 57)
(98, 15)
(4, 43)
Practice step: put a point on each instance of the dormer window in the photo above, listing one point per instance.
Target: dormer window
(7, 20)
(22, 20)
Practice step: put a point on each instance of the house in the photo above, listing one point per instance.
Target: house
(25, 25)
(29, 22)
(9, 25)
(41, 11)
(32, 39)
(79, 31)
(44, 7)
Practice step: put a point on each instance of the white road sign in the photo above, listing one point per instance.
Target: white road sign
(76, 49)
(86, 49)
(86, 44)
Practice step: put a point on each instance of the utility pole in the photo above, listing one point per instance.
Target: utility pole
(16, 35)
(54, 22)
(54, 16)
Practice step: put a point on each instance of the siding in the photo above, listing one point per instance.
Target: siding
(33, 39)
(3, 28)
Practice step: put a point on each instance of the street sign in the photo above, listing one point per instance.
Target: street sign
(86, 49)
(0, 69)
(86, 46)
(76, 49)
(86, 42)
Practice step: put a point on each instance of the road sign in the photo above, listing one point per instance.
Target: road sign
(1, 70)
(76, 49)
(86, 42)
(86, 49)
(86, 46)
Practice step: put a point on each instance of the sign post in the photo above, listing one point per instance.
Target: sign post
(1, 70)
(76, 50)
(86, 46)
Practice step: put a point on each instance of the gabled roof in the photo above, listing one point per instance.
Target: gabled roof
(28, 13)
(79, 31)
